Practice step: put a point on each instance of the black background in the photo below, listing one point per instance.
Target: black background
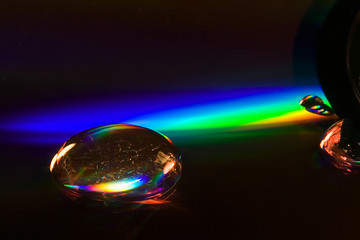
(54, 51)
(269, 185)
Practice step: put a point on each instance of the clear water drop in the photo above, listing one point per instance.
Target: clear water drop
(117, 163)
(315, 104)
(341, 145)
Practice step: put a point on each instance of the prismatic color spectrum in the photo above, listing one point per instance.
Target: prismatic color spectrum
(117, 163)
(174, 114)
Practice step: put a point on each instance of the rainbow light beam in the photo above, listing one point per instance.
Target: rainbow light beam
(112, 187)
(174, 114)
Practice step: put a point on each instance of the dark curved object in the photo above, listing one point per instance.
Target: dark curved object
(338, 58)
(305, 43)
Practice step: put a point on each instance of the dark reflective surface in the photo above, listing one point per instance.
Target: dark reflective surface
(266, 186)
(353, 58)
(263, 183)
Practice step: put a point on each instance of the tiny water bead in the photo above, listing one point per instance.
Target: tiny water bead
(310, 100)
(341, 145)
(118, 163)
(315, 104)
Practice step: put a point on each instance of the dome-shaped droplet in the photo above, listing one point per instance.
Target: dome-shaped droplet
(315, 104)
(341, 144)
(310, 100)
(117, 163)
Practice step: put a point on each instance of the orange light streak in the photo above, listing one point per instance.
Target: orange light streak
(60, 154)
(168, 167)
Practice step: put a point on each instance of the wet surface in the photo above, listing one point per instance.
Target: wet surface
(228, 188)
(240, 184)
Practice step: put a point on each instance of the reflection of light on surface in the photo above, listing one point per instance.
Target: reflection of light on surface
(60, 155)
(153, 201)
(115, 186)
(97, 133)
(53, 161)
(239, 109)
(339, 148)
(66, 149)
(316, 107)
(289, 118)
(307, 98)
(168, 167)
(326, 139)
(118, 186)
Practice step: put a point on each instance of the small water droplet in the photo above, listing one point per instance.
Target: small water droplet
(117, 163)
(315, 104)
(340, 144)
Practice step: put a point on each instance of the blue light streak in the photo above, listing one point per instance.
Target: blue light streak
(169, 112)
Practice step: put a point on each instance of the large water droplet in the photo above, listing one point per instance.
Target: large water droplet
(315, 104)
(117, 163)
(341, 145)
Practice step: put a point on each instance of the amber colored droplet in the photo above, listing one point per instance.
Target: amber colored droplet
(341, 145)
(117, 163)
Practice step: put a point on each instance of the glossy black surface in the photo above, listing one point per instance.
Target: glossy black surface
(337, 58)
(267, 184)
(252, 188)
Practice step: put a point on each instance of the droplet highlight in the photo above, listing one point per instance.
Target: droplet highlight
(341, 145)
(115, 164)
(315, 104)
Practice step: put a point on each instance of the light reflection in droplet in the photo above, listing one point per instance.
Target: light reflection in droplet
(310, 100)
(168, 167)
(341, 145)
(59, 155)
(315, 104)
(117, 163)
(115, 186)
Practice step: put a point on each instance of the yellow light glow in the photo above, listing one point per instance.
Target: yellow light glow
(168, 167)
(116, 186)
(287, 119)
(53, 162)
